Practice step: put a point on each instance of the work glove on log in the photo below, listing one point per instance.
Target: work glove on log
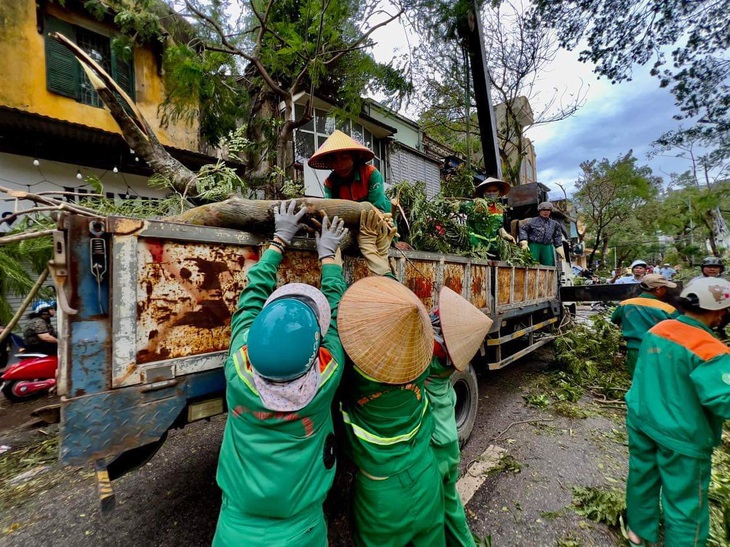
(524, 245)
(287, 222)
(506, 236)
(560, 251)
(332, 235)
(374, 239)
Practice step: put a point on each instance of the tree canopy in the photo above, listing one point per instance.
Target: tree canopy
(685, 44)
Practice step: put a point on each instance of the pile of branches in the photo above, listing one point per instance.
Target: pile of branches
(436, 225)
(588, 356)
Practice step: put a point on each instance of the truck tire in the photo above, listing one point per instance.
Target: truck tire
(467, 398)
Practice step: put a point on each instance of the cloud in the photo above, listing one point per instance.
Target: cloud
(623, 117)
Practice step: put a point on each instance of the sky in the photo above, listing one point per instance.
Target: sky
(614, 119)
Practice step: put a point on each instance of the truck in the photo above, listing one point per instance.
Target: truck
(145, 308)
(144, 324)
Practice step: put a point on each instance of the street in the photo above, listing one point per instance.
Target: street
(523, 500)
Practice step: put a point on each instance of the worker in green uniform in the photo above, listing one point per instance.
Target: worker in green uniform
(285, 362)
(677, 403)
(485, 215)
(637, 315)
(459, 329)
(386, 331)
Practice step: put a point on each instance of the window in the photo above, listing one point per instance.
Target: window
(65, 76)
(309, 137)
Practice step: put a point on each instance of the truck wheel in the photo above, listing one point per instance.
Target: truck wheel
(467, 397)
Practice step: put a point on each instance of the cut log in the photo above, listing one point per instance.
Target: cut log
(258, 215)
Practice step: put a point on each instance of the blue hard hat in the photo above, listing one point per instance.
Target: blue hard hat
(284, 339)
(42, 305)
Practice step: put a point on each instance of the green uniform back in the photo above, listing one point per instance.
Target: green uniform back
(637, 315)
(272, 464)
(388, 427)
(442, 397)
(681, 388)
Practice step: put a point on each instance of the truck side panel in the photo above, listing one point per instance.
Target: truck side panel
(150, 338)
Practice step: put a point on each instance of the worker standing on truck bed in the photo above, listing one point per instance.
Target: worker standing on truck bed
(386, 331)
(676, 407)
(637, 315)
(541, 235)
(277, 461)
(459, 329)
(485, 215)
(351, 177)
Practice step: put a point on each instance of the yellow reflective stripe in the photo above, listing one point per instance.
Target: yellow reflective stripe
(238, 360)
(361, 373)
(649, 303)
(328, 372)
(382, 441)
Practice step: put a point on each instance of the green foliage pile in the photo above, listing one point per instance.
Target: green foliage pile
(435, 225)
(586, 356)
(600, 504)
(719, 495)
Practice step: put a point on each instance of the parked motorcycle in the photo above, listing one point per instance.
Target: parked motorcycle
(33, 375)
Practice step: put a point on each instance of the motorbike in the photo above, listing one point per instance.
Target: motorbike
(30, 377)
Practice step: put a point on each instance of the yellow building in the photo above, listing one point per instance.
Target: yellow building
(54, 130)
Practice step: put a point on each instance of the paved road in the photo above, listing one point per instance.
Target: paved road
(174, 501)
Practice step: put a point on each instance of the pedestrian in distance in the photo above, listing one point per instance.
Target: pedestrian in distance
(543, 236)
(667, 271)
(459, 330)
(277, 460)
(637, 315)
(351, 177)
(638, 271)
(386, 331)
(39, 335)
(676, 407)
(711, 266)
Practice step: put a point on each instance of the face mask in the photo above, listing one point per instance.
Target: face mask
(491, 195)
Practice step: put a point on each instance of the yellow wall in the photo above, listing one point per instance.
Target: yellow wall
(23, 76)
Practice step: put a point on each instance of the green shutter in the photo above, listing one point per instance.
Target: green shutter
(62, 69)
(123, 73)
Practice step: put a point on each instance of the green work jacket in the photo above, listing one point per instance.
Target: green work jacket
(338, 188)
(637, 315)
(442, 397)
(272, 464)
(388, 427)
(680, 393)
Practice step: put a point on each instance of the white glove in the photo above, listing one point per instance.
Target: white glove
(524, 245)
(506, 236)
(561, 252)
(332, 235)
(286, 222)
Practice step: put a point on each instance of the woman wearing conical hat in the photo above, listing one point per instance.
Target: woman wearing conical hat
(459, 329)
(485, 214)
(351, 177)
(386, 332)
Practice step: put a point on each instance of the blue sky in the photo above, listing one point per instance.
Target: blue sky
(614, 119)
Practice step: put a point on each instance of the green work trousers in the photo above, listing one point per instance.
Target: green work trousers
(307, 529)
(544, 254)
(457, 530)
(681, 481)
(404, 509)
(632, 356)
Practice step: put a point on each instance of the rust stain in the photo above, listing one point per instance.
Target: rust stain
(126, 226)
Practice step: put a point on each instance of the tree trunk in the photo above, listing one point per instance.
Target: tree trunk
(258, 215)
(719, 234)
(136, 131)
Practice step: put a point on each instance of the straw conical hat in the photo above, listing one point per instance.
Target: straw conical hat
(386, 330)
(338, 142)
(463, 325)
(504, 186)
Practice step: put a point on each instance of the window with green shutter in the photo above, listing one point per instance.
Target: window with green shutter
(64, 74)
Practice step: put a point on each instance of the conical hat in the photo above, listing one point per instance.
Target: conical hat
(338, 142)
(463, 325)
(504, 186)
(386, 330)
